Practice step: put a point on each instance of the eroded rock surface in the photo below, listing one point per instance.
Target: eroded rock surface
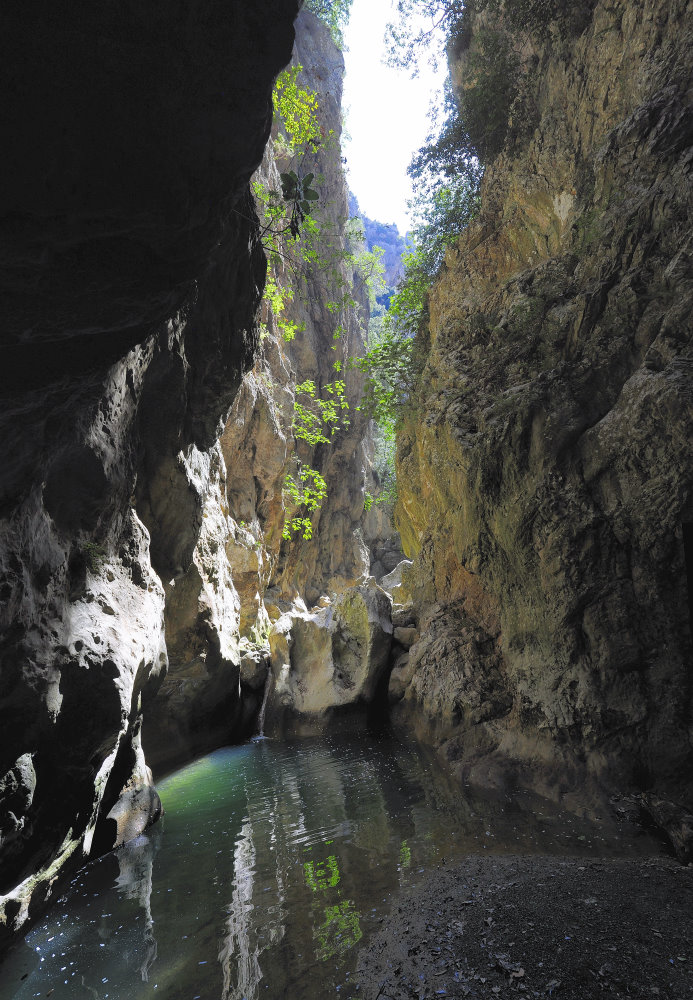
(334, 656)
(131, 273)
(546, 483)
(243, 573)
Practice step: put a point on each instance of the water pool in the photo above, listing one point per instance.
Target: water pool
(272, 863)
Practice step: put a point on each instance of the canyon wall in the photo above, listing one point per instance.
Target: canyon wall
(254, 607)
(148, 413)
(131, 270)
(154, 595)
(546, 475)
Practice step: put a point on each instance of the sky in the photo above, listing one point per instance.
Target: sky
(386, 116)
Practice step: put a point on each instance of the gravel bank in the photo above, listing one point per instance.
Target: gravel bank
(538, 927)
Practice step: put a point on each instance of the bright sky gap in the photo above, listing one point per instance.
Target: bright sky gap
(386, 115)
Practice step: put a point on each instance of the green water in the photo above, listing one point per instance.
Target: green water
(274, 861)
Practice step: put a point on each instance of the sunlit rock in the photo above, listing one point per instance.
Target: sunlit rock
(333, 656)
(545, 483)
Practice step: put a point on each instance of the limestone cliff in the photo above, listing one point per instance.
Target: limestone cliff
(546, 479)
(131, 270)
(148, 412)
(249, 595)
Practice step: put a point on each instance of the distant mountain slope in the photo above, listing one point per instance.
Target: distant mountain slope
(388, 237)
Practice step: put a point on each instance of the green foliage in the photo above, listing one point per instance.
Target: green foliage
(394, 359)
(296, 110)
(368, 264)
(335, 14)
(316, 420)
(285, 212)
(314, 417)
(296, 239)
(490, 85)
(291, 230)
(306, 489)
(386, 496)
(298, 193)
(384, 474)
(494, 99)
(425, 28)
(390, 372)
(277, 298)
(440, 212)
(94, 556)
(491, 106)
(421, 28)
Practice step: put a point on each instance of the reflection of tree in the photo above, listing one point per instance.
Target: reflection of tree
(136, 861)
(341, 928)
(340, 931)
(322, 874)
(289, 798)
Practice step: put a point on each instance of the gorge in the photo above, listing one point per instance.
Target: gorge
(163, 582)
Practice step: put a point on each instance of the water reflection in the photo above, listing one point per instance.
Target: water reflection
(272, 863)
(136, 863)
(239, 952)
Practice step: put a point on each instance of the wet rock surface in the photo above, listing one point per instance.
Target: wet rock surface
(537, 927)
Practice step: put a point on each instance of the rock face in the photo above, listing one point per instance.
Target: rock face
(335, 656)
(547, 482)
(244, 574)
(131, 270)
(149, 596)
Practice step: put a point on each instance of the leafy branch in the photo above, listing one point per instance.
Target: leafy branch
(335, 14)
(308, 490)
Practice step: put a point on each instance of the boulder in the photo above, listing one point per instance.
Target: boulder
(675, 821)
(254, 667)
(406, 636)
(334, 655)
(400, 677)
(138, 807)
(394, 577)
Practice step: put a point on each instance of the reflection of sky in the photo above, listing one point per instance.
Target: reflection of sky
(272, 863)
(386, 116)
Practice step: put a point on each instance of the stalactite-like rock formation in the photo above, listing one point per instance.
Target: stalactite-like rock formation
(547, 481)
(131, 273)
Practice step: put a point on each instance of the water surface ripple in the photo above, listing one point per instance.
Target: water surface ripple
(273, 861)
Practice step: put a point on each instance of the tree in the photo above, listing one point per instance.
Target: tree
(335, 14)
(421, 30)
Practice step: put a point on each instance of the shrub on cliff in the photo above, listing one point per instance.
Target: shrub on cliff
(395, 357)
(493, 102)
(335, 14)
